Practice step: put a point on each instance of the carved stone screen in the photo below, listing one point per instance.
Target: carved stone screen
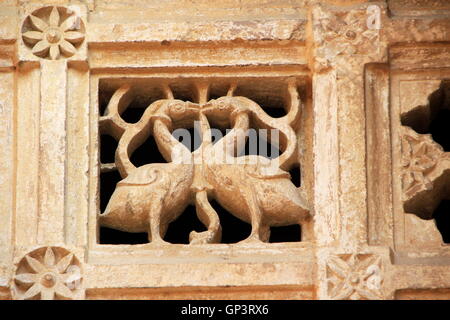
(229, 153)
(224, 149)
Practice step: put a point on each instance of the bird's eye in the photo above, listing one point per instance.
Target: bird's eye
(177, 108)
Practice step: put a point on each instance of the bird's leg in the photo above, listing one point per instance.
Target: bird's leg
(208, 216)
(154, 234)
(259, 231)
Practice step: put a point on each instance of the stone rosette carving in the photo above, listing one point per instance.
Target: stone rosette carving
(53, 32)
(420, 155)
(340, 34)
(48, 273)
(354, 277)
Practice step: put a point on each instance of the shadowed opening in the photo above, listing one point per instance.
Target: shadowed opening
(179, 230)
(233, 229)
(108, 146)
(442, 217)
(433, 118)
(296, 175)
(269, 95)
(111, 236)
(147, 153)
(292, 233)
(108, 181)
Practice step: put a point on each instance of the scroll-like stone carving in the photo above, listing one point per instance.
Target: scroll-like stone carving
(253, 188)
(53, 32)
(354, 276)
(48, 273)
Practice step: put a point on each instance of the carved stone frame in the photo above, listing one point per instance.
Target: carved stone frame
(296, 259)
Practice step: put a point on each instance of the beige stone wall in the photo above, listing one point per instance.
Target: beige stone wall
(361, 67)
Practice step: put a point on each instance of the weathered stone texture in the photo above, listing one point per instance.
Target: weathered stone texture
(358, 91)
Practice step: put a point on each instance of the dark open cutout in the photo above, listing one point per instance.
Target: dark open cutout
(296, 173)
(108, 146)
(291, 233)
(108, 181)
(132, 115)
(442, 217)
(434, 117)
(233, 229)
(269, 95)
(179, 230)
(147, 153)
(111, 236)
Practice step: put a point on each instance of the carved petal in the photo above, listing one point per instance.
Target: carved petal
(67, 48)
(40, 47)
(62, 290)
(366, 263)
(35, 264)
(38, 23)
(47, 294)
(338, 266)
(33, 36)
(32, 291)
(54, 52)
(64, 263)
(54, 17)
(49, 258)
(343, 292)
(71, 22)
(73, 36)
(419, 148)
(418, 176)
(26, 277)
(352, 261)
(406, 146)
(425, 162)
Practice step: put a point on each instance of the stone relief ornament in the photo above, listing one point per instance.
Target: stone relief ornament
(48, 273)
(354, 277)
(53, 32)
(255, 189)
(420, 154)
(342, 33)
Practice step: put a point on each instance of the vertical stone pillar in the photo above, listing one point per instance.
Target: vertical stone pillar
(51, 41)
(7, 163)
(52, 151)
(345, 39)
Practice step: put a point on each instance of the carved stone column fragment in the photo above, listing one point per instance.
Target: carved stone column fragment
(52, 41)
(345, 39)
(7, 165)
